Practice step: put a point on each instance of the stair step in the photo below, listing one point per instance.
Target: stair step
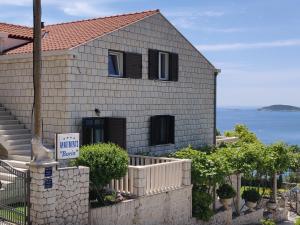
(19, 147)
(21, 152)
(5, 183)
(2, 170)
(19, 158)
(16, 131)
(19, 141)
(5, 122)
(7, 177)
(17, 164)
(4, 113)
(7, 117)
(11, 126)
(17, 136)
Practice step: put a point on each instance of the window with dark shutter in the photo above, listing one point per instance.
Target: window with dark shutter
(162, 130)
(173, 66)
(163, 65)
(153, 64)
(115, 131)
(92, 130)
(133, 65)
(99, 130)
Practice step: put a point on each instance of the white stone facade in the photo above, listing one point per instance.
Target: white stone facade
(76, 82)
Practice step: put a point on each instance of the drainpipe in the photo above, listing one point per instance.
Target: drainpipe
(217, 71)
(3, 38)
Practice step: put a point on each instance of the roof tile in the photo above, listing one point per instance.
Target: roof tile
(68, 35)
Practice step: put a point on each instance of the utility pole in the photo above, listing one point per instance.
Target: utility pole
(37, 67)
(39, 153)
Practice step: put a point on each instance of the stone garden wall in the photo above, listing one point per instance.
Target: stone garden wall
(62, 198)
(72, 196)
(168, 208)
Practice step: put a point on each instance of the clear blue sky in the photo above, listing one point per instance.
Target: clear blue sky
(256, 43)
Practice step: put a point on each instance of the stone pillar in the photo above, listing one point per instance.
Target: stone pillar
(186, 172)
(43, 193)
(139, 182)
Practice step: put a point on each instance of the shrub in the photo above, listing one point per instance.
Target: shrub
(201, 204)
(268, 222)
(205, 169)
(251, 195)
(243, 133)
(106, 162)
(226, 191)
(297, 222)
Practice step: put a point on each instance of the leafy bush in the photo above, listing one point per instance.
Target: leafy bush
(297, 222)
(106, 162)
(205, 169)
(251, 195)
(268, 222)
(243, 133)
(226, 191)
(201, 204)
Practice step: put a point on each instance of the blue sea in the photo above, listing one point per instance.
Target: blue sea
(268, 126)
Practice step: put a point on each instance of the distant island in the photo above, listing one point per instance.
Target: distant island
(279, 108)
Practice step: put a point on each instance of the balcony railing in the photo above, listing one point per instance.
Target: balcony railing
(151, 175)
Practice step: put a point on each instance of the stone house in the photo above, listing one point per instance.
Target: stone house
(132, 79)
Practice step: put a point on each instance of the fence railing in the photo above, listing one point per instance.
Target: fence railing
(151, 175)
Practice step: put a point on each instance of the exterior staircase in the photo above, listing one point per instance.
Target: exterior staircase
(15, 139)
(15, 149)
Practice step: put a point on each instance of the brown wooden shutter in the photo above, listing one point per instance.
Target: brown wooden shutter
(115, 131)
(153, 64)
(173, 66)
(171, 129)
(132, 65)
(154, 130)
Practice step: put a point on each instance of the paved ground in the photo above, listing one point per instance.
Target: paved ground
(292, 219)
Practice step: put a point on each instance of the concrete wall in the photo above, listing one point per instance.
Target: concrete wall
(190, 100)
(76, 83)
(167, 208)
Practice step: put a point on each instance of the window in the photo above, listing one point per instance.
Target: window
(93, 130)
(115, 64)
(101, 130)
(162, 130)
(163, 65)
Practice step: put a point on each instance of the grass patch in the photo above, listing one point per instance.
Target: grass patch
(14, 216)
(263, 191)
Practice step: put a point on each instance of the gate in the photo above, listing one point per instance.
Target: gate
(14, 195)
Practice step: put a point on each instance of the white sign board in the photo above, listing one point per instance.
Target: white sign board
(67, 146)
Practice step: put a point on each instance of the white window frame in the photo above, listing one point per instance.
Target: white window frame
(166, 64)
(120, 63)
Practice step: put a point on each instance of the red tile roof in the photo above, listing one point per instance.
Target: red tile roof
(16, 31)
(68, 35)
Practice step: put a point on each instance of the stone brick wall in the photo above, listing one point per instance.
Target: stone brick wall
(190, 100)
(66, 203)
(72, 196)
(77, 82)
(16, 90)
(169, 208)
